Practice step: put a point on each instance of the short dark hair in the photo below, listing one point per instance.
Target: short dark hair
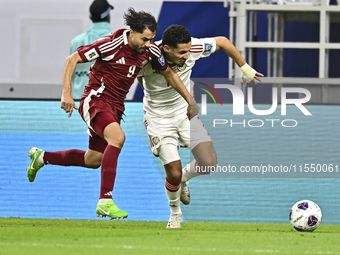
(100, 10)
(174, 35)
(139, 21)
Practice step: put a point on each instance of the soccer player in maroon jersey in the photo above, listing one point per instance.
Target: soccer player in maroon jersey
(116, 61)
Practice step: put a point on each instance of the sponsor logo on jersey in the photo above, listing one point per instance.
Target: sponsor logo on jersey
(155, 140)
(91, 54)
(182, 68)
(207, 47)
(161, 60)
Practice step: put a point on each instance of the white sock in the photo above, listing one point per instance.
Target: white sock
(189, 171)
(103, 201)
(175, 205)
(41, 158)
(173, 192)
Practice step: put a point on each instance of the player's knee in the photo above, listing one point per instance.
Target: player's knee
(174, 171)
(117, 140)
(94, 165)
(212, 161)
(120, 139)
(209, 164)
(114, 135)
(206, 162)
(93, 161)
(175, 176)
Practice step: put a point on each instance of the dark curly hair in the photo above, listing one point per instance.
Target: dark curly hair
(139, 21)
(174, 35)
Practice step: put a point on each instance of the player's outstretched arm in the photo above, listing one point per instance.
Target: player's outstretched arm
(67, 102)
(174, 80)
(249, 75)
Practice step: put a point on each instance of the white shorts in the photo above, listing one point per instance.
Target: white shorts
(174, 130)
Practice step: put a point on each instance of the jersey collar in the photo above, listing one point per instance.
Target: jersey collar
(125, 36)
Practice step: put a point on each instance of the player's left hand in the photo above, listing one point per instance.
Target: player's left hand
(250, 75)
(193, 109)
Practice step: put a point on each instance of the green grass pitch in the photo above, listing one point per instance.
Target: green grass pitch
(61, 236)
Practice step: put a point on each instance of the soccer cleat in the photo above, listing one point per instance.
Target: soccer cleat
(111, 210)
(34, 153)
(185, 193)
(175, 220)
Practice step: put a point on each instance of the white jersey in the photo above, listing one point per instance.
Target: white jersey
(160, 98)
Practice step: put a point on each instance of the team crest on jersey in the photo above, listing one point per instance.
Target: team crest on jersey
(155, 140)
(144, 63)
(182, 68)
(161, 60)
(207, 47)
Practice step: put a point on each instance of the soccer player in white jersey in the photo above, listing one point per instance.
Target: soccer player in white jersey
(165, 116)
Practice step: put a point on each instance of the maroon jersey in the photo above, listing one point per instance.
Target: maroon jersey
(115, 66)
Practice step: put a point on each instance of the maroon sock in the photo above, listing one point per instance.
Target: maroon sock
(108, 174)
(65, 158)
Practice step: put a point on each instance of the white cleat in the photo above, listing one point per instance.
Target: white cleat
(175, 220)
(185, 193)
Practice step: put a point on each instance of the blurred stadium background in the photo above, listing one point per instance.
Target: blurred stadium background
(301, 46)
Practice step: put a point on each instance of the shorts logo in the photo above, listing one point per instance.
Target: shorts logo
(155, 140)
(91, 54)
(207, 47)
(161, 60)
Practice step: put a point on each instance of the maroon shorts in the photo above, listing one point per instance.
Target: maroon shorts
(98, 114)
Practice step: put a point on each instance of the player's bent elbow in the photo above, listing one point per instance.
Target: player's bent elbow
(74, 58)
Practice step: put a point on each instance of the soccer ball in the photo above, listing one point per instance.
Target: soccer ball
(305, 215)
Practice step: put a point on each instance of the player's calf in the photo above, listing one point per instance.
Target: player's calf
(185, 193)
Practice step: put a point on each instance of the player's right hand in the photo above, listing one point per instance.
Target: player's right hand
(193, 109)
(67, 104)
